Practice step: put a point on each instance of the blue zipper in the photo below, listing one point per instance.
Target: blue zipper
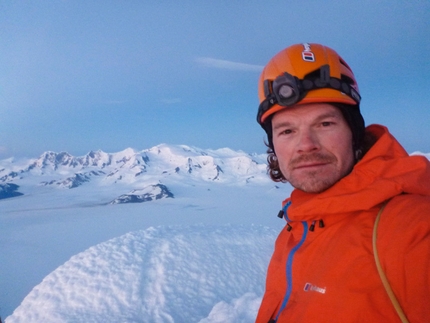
(289, 267)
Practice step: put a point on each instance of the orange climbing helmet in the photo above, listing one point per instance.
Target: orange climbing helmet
(305, 73)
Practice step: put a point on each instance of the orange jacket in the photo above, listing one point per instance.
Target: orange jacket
(329, 274)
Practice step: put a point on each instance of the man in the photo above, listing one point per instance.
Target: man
(345, 177)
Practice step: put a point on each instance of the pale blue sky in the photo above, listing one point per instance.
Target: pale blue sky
(85, 75)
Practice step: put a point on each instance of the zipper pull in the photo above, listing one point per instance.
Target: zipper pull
(312, 227)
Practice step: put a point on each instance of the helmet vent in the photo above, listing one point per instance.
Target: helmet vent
(344, 64)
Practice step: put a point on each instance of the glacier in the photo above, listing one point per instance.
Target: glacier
(197, 253)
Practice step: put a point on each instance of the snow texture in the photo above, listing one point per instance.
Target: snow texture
(203, 274)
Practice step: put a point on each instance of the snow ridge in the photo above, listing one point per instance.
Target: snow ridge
(132, 171)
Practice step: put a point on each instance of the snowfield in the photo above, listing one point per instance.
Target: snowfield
(168, 234)
(166, 274)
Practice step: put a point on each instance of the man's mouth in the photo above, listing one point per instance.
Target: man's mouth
(310, 165)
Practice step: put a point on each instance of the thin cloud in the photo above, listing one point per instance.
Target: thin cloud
(228, 65)
(3, 151)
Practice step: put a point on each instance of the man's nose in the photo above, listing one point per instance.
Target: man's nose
(307, 142)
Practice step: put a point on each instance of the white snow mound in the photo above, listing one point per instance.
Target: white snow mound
(198, 273)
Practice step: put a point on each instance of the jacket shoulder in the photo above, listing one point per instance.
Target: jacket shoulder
(408, 210)
(404, 250)
(404, 223)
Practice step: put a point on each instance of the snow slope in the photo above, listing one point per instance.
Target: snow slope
(165, 274)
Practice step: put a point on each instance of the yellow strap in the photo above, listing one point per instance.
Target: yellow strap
(384, 279)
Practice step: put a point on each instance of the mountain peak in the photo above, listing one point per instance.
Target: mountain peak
(167, 164)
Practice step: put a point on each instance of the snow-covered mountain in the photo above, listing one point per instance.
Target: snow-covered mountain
(149, 193)
(57, 206)
(133, 171)
(9, 190)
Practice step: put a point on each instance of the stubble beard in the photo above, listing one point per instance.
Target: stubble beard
(312, 183)
(315, 181)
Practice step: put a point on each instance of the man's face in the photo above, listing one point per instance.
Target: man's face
(313, 144)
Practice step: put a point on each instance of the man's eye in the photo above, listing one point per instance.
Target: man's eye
(326, 123)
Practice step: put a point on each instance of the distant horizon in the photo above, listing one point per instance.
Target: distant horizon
(425, 153)
(136, 150)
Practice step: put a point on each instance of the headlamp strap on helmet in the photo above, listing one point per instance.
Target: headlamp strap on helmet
(267, 88)
(287, 90)
(270, 96)
(324, 76)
